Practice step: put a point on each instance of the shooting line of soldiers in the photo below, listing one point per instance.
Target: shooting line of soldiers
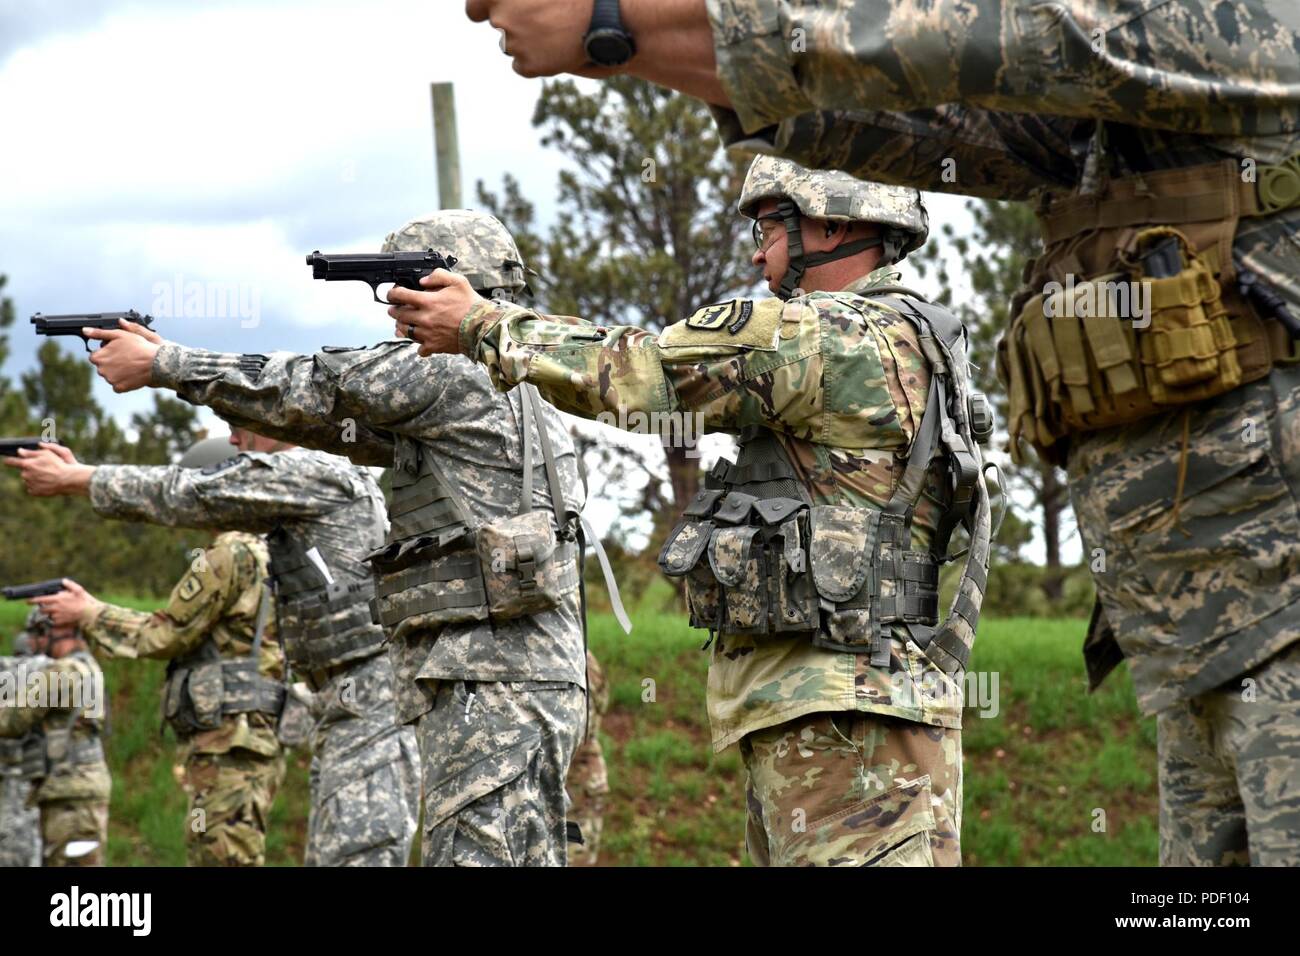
(433, 648)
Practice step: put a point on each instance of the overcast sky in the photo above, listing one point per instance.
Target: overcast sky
(152, 150)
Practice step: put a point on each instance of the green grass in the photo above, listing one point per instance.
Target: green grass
(1035, 774)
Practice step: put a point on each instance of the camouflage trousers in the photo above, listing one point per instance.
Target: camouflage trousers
(851, 789)
(230, 798)
(20, 824)
(495, 757)
(65, 823)
(588, 780)
(365, 777)
(1230, 771)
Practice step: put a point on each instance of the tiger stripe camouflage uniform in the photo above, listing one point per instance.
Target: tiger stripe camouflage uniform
(72, 783)
(845, 765)
(364, 776)
(1075, 104)
(20, 821)
(230, 773)
(498, 706)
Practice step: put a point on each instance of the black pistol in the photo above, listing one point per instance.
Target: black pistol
(21, 592)
(404, 269)
(72, 324)
(9, 446)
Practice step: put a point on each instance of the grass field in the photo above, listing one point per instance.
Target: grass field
(1056, 777)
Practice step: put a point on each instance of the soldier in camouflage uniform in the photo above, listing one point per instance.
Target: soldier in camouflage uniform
(231, 758)
(321, 516)
(1114, 119)
(65, 760)
(20, 821)
(849, 761)
(496, 696)
(588, 780)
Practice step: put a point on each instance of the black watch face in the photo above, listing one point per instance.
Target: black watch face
(609, 47)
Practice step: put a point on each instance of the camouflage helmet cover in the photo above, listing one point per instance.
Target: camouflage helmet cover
(836, 196)
(485, 251)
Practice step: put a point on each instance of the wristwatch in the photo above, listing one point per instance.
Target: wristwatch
(606, 42)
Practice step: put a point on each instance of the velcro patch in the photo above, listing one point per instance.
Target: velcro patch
(740, 323)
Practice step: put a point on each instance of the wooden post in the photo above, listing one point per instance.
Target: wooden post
(446, 145)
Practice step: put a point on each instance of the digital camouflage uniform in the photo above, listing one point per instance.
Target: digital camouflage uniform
(72, 789)
(230, 773)
(20, 820)
(1023, 100)
(588, 780)
(843, 769)
(498, 707)
(364, 776)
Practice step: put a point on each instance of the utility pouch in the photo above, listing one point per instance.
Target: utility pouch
(205, 688)
(524, 572)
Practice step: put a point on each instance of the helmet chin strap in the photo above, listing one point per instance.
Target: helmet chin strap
(799, 263)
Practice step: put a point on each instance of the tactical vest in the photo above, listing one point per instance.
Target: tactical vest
(322, 621)
(201, 688)
(1079, 356)
(441, 565)
(760, 559)
(61, 744)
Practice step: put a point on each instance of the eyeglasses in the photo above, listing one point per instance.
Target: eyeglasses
(766, 229)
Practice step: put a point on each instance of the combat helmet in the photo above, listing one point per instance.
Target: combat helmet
(836, 197)
(207, 452)
(485, 251)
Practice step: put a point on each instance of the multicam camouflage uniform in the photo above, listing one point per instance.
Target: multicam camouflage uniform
(364, 774)
(20, 821)
(231, 772)
(588, 780)
(72, 783)
(1021, 100)
(844, 767)
(498, 707)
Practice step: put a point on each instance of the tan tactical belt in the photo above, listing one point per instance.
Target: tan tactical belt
(1103, 335)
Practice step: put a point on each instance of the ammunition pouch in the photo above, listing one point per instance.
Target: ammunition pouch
(443, 566)
(1078, 356)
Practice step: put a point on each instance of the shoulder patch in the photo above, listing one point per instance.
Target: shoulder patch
(225, 464)
(742, 323)
(189, 587)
